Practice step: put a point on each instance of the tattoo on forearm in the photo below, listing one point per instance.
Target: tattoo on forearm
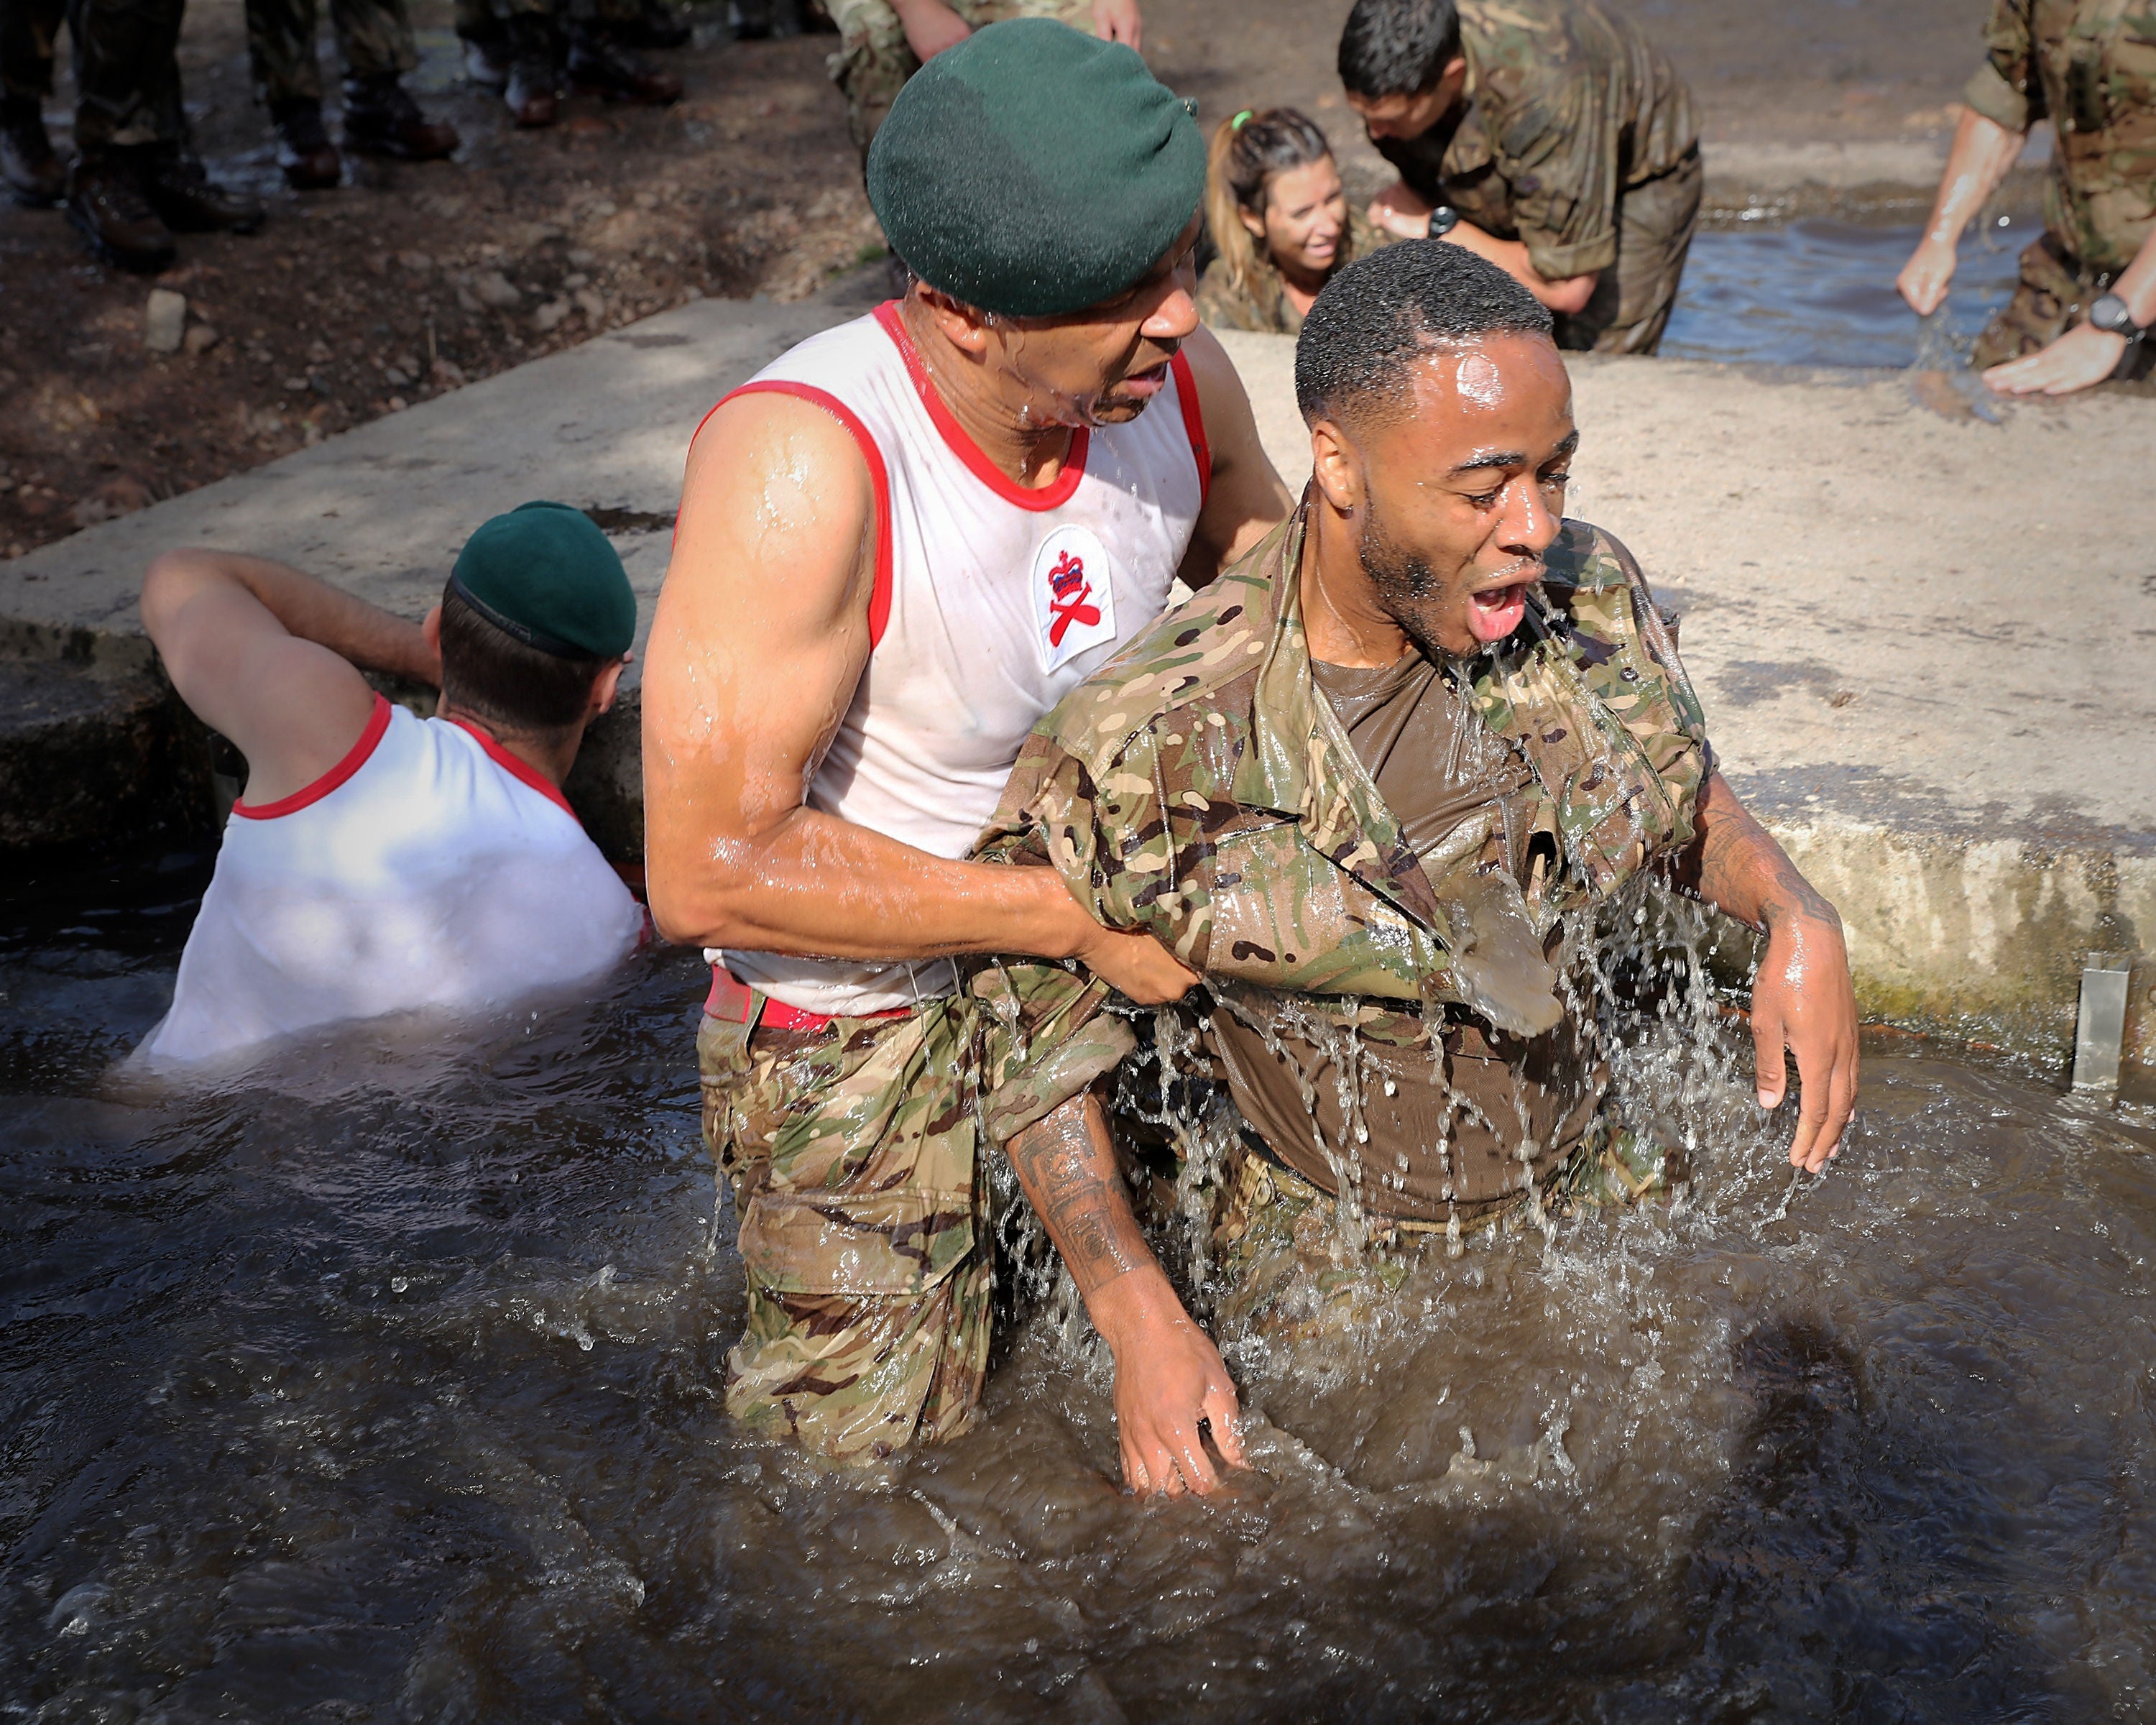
(1070, 1177)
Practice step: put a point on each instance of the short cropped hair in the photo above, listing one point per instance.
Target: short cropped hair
(1397, 47)
(490, 674)
(1383, 312)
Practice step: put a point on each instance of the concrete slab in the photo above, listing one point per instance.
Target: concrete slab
(1921, 639)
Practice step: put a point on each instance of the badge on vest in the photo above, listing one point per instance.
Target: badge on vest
(1073, 603)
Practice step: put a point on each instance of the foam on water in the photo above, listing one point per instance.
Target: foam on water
(384, 1386)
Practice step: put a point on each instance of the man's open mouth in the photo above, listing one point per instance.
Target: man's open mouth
(1495, 612)
(1149, 382)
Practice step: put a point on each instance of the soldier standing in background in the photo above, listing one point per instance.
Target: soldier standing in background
(2087, 293)
(883, 42)
(136, 179)
(374, 39)
(33, 171)
(523, 48)
(1549, 137)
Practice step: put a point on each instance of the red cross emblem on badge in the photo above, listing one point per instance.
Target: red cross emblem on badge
(1069, 590)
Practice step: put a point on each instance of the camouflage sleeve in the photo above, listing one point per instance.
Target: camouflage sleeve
(1671, 731)
(2007, 90)
(1220, 306)
(1557, 152)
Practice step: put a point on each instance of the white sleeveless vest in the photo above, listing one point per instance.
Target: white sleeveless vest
(992, 603)
(429, 868)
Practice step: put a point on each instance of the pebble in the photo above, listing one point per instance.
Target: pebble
(495, 291)
(549, 315)
(200, 338)
(164, 320)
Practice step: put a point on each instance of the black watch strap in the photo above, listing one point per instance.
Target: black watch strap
(1443, 220)
(2108, 313)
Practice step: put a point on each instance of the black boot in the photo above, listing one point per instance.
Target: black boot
(106, 201)
(33, 173)
(381, 119)
(190, 202)
(304, 149)
(620, 77)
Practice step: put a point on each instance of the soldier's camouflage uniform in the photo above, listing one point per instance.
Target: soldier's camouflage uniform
(1200, 789)
(374, 39)
(28, 29)
(2089, 66)
(128, 74)
(873, 60)
(1578, 140)
(1260, 302)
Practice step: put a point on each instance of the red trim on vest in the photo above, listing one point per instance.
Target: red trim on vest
(879, 480)
(357, 757)
(1193, 425)
(965, 448)
(523, 770)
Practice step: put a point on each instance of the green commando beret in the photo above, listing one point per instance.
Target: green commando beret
(1032, 170)
(549, 577)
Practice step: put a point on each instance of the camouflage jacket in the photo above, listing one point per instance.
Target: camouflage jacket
(1566, 106)
(2089, 66)
(1260, 302)
(1200, 787)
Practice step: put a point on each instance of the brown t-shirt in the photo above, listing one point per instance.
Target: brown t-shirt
(1437, 1141)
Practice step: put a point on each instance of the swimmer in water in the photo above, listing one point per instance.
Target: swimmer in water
(899, 546)
(376, 862)
(1362, 785)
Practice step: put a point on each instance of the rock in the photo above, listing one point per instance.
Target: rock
(418, 263)
(580, 259)
(495, 291)
(199, 340)
(164, 320)
(396, 378)
(119, 497)
(592, 304)
(548, 316)
(448, 373)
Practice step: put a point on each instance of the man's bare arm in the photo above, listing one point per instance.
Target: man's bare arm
(1247, 500)
(1983, 152)
(265, 655)
(759, 643)
(1802, 997)
(1169, 1374)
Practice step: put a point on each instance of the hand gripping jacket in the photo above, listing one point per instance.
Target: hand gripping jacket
(1200, 789)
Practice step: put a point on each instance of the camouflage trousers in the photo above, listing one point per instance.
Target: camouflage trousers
(27, 31)
(1633, 299)
(2053, 294)
(128, 74)
(873, 60)
(481, 20)
(853, 1152)
(374, 39)
(1286, 1269)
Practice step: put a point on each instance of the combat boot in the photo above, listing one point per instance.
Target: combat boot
(106, 203)
(619, 77)
(34, 174)
(533, 90)
(183, 193)
(381, 119)
(304, 149)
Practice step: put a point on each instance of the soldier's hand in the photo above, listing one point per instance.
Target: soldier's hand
(1168, 1379)
(1138, 966)
(1924, 278)
(1117, 20)
(1398, 210)
(1803, 999)
(2083, 355)
(930, 27)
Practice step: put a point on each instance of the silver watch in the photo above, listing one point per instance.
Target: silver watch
(2109, 314)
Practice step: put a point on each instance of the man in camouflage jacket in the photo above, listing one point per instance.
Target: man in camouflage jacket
(1204, 789)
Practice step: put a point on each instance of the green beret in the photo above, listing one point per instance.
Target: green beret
(547, 575)
(1032, 170)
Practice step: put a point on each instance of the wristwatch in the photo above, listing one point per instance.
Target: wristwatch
(1444, 219)
(2109, 314)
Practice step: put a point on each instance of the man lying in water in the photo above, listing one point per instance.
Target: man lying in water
(1367, 785)
(377, 862)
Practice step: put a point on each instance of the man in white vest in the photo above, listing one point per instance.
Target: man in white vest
(899, 546)
(377, 862)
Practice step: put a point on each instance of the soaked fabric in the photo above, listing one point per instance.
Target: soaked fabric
(873, 60)
(2052, 295)
(374, 39)
(1571, 114)
(1259, 301)
(28, 30)
(2088, 66)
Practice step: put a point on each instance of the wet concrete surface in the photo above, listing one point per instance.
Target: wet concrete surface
(384, 1386)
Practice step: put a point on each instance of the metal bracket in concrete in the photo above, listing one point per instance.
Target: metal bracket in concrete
(2100, 1030)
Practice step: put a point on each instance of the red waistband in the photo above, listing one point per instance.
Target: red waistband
(733, 1001)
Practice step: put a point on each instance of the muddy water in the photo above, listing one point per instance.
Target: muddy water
(382, 1387)
(1821, 293)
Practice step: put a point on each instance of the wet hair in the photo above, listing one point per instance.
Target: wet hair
(1245, 154)
(1397, 47)
(1381, 314)
(490, 674)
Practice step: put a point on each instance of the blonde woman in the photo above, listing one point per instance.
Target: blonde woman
(1280, 217)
